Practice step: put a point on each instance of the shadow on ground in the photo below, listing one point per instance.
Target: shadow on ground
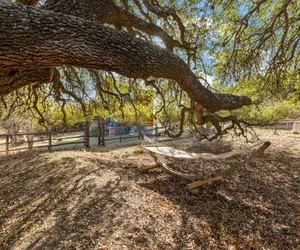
(92, 200)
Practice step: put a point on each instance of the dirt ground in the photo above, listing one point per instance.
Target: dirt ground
(102, 199)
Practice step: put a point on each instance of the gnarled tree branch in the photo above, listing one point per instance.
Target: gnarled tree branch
(77, 42)
(11, 79)
(106, 11)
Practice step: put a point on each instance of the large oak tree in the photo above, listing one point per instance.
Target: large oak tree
(36, 38)
(114, 36)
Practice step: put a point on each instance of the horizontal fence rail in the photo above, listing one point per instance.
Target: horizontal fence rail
(49, 140)
(103, 133)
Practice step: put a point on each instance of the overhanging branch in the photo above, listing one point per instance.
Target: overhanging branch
(81, 43)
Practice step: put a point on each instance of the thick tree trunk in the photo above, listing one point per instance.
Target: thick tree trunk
(35, 38)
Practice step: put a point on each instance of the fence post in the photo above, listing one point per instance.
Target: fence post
(156, 130)
(139, 132)
(87, 134)
(120, 133)
(50, 141)
(7, 144)
(103, 133)
(275, 129)
(30, 141)
(99, 131)
(84, 134)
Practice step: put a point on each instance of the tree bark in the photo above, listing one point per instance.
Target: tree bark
(11, 80)
(100, 11)
(106, 11)
(34, 38)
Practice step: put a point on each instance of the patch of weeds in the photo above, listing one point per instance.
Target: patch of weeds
(80, 224)
(138, 150)
(288, 151)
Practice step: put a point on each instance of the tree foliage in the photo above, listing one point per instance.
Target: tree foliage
(251, 48)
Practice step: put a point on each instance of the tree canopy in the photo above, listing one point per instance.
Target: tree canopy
(76, 51)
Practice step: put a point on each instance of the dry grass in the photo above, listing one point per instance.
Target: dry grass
(103, 200)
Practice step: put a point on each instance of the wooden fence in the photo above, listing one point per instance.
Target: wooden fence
(47, 139)
(284, 125)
